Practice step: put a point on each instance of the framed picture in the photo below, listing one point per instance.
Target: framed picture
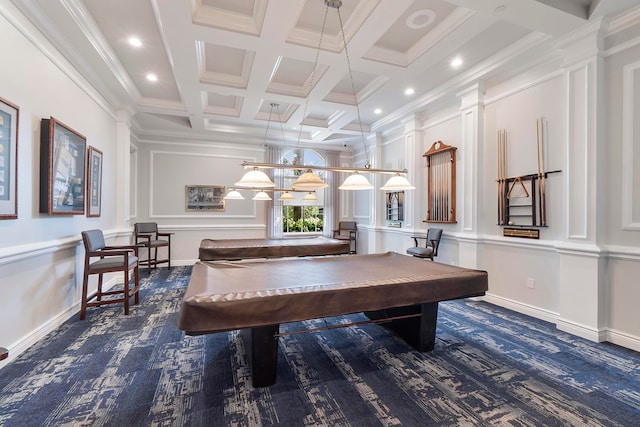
(8, 160)
(204, 197)
(62, 169)
(94, 182)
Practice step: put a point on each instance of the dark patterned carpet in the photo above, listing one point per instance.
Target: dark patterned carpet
(490, 367)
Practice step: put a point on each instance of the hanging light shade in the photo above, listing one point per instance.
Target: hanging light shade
(287, 196)
(397, 183)
(255, 178)
(310, 197)
(233, 195)
(309, 181)
(261, 195)
(355, 181)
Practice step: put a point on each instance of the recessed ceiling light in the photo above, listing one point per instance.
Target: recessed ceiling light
(377, 111)
(409, 91)
(135, 42)
(152, 77)
(456, 62)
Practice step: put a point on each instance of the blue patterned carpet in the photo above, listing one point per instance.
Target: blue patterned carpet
(491, 367)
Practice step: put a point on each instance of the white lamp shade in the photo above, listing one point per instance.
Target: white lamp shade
(234, 195)
(310, 197)
(287, 196)
(255, 178)
(261, 196)
(397, 183)
(355, 181)
(309, 181)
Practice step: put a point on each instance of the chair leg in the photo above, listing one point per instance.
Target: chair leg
(85, 287)
(126, 292)
(99, 294)
(155, 257)
(136, 278)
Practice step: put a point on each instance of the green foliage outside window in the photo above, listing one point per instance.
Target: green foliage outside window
(302, 219)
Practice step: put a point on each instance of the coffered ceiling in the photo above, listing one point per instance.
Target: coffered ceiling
(221, 64)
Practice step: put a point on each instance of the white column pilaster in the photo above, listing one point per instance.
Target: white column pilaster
(471, 173)
(581, 305)
(123, 166)
(415, 165)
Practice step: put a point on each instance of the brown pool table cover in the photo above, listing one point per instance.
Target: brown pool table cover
(231, 249)
(223, 296)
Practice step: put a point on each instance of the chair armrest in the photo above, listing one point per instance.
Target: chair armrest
(146, 239)
(353, 234)
(123, 248)
(417, 238)
(165, 235)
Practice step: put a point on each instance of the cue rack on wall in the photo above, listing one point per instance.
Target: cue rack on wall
(522, 207)
(441, 183)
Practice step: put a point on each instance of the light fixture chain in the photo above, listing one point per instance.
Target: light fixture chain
(353, 88)
(313, 75)
(266, 132)
(281, 125)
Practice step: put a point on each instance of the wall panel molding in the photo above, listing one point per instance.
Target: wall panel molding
(630, 147)
(155, 154)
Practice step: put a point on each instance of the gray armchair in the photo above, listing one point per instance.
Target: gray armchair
(426, 247)
(147, 236)
(348, 230)
(111, 259)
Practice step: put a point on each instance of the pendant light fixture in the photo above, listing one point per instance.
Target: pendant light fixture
(261, 195)
(309, 181)
(286, 196)
(255, 178)
(355, 181)
(310, 197)
(233, 194)
(397, 183)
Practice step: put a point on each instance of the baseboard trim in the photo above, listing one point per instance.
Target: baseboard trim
(20, 346)
(529, 310)
(581, 330)
(610, 335)
(624, 340)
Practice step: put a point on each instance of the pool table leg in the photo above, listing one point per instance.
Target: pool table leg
(418, 332)
(262, 350)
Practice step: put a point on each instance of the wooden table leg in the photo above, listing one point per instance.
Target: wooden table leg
(4, 353)
(419, 332)
(261, 345)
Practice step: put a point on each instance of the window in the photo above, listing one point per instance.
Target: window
(302, 216)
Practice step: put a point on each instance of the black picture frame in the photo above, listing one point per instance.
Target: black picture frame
(62, 169)
(94, 182)
(9, 118)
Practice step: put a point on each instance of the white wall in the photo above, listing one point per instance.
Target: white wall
(163, 171)
(41, 255)
(586, 283)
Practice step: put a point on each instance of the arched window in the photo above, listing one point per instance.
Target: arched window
(299, 215)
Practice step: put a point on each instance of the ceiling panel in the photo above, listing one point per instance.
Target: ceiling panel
(222, 63)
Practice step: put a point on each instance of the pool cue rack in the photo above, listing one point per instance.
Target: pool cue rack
(516, 214)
